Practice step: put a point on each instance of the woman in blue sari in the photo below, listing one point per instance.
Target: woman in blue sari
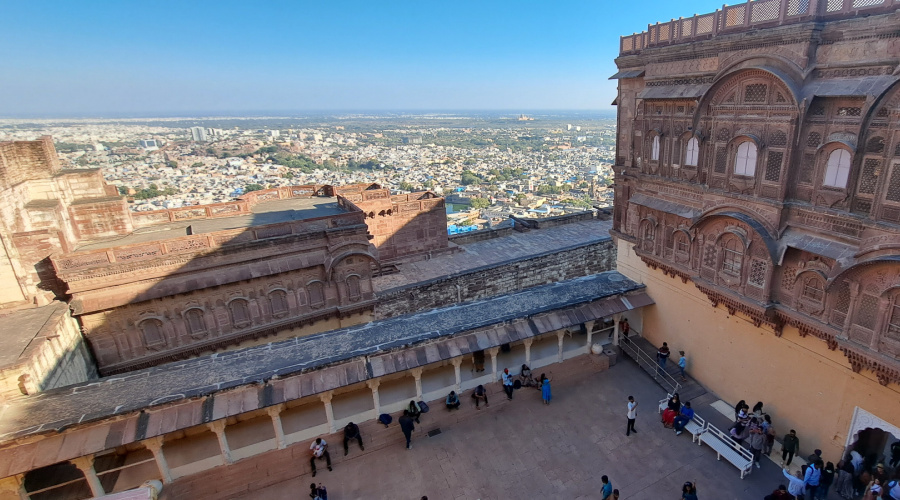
(545, 389)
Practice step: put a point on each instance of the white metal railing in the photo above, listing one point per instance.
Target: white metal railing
(648, 363)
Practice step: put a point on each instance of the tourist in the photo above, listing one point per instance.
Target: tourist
(873, 490)
(624, 327)
(738, 407)
(795, 485)
(318, 492)
(607, 490)
(672, 411)
(880, 474)
(632, 416)
(757, 441)
(414, 411)
(814, 457)
(739, 432)
(826, 481)
(319, 449)
(770, 434)
(682, 364)
(525, 377)
(662, 355)
(789, 446)
(546, 393)
(687, 413)
(843, 483)
(780, 494)
(452, 401)
(478, 361)
(507, 383)
(480, 395)
(758, 410)
(892, 490)
(895, 454)
(615, 495)
(811, 479)
(689, 491)
(407, 426)
(351, 432)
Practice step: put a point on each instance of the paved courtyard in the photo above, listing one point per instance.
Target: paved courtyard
(524, 449)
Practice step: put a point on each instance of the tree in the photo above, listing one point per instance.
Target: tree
(405, 186)
(520, 198)
(479, 203)
(197, 164)
(468, 177)
(172, 164)
(253, 187)
(123, 190)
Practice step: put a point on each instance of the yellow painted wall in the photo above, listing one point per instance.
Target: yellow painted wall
(804, 385)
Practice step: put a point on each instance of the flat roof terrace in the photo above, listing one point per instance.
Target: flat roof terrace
(267, 212)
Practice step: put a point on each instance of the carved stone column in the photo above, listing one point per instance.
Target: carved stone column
(219, 428)
(588, 326)
(86, 466)
(493, 351)
(616, 330)
(155, 446)
(457, 363)
(275, 414)
(559, 336)
(373, 385)
(417, 374)
(326, 397)
(527, 343)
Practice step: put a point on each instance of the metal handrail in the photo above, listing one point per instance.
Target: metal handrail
(643, 358)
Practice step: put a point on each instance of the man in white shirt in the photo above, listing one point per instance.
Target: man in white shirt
(319, 449)
(797, 485)
(507, 383)
(632, 415)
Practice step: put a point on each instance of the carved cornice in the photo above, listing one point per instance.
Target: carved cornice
(619, 234)
(805, 327)
(861, 357)
(667, 269)
(758, 313)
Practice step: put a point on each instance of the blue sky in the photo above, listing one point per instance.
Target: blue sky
(92, 58)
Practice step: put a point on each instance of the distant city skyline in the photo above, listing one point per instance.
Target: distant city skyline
(104, 58)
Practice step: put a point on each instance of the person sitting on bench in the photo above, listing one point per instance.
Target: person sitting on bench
(687, 413)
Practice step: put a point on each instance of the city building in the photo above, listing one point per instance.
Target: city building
(757, 196)
(131, 312)
(198, 134)
(149, 144)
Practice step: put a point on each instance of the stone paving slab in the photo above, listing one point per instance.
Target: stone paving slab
(524, 449)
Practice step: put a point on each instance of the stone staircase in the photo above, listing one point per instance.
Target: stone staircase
(689, 390)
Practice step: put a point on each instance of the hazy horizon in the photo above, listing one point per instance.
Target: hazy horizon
(110, 59)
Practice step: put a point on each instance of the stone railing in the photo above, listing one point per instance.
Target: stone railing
(748, 16)
(241, 206)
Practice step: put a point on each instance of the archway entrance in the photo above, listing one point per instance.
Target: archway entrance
(873, 439)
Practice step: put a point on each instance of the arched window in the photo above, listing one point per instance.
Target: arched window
(278, 301)
(692, 152)
(152, 331)
(893, 327)
(316, 293)
(654, 151)
(838, 169)
(353, 288)
(745, 159)
(648, 234)
(813, 289)
(196, 325)
(732, 257)
(240, 313)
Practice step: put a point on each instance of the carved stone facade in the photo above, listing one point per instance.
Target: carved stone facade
(158, 286)
(765, 168)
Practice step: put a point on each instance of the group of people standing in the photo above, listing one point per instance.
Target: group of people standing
(662, 357)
